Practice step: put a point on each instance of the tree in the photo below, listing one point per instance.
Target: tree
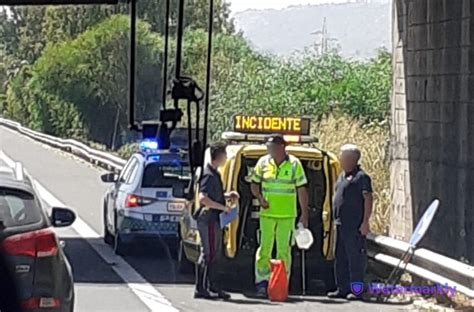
(86, 79)
(3, 74)
(28, 30)
(22, 33)
(8, 32)
(197, 16)
(67, 22)
(17, 99)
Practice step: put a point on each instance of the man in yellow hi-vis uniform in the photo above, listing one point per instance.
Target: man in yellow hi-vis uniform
(278, 180)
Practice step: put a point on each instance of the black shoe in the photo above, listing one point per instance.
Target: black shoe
(261, 293)
(338, 294)
(221, 294)
(204, 294)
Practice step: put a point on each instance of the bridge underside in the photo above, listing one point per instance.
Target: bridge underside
(432, 132)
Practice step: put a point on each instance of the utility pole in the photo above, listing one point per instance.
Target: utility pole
(322, 47)
(324, 38)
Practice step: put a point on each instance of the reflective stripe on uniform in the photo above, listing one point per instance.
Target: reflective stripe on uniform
(281, 181)
(279, 191)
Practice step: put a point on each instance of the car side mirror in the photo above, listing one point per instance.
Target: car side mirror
(61, 217)
(109, 177)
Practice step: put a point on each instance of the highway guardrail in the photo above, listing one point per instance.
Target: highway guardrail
(425, 263)
(99, 158)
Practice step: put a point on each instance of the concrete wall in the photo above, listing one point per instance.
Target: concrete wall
(432, 132)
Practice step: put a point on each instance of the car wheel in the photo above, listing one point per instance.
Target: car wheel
(184, 265)
(108, 237)
(119, 246)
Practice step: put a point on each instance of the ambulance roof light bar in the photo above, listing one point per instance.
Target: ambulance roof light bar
(247, 137)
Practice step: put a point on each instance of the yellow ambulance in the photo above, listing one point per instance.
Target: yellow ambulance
(246, 144)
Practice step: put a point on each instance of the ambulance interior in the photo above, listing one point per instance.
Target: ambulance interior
(248, 232)
(248, 236)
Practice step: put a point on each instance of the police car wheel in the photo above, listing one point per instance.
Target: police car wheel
(108, 237)
(119, 245)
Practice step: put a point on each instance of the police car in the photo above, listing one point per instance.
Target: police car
(146, 199)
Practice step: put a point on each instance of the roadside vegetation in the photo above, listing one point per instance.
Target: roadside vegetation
(70, 80)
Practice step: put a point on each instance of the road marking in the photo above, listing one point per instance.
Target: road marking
(8, 161)
(153, 299)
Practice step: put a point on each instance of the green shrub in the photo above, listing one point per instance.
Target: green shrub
(309, 86)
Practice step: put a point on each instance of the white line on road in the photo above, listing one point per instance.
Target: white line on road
(154, 300)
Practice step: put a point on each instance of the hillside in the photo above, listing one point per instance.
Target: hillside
(360, 28)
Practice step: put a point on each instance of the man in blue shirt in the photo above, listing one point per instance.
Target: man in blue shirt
(352, 210)
(212, 202)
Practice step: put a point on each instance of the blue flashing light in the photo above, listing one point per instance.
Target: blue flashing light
(154, 158)
(149, 145)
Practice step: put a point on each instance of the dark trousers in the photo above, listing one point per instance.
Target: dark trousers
(211, 250)
(351, 258)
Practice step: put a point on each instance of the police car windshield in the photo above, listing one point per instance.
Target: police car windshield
(17, 209)
(157, 174)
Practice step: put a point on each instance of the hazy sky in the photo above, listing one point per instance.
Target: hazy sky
(241, 5)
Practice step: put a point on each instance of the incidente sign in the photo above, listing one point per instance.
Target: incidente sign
(269, 125)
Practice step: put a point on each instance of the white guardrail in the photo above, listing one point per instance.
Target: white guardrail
(99, 158)
(425, 263)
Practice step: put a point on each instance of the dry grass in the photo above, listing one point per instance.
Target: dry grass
(461, 302)
(372, 139)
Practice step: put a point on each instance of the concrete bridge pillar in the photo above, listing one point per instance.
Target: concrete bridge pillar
(432, 144)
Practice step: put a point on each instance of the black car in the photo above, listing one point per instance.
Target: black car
(42, 273)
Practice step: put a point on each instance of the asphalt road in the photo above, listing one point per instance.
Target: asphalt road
(147, 279)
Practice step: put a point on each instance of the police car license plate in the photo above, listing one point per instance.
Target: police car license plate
(165, 218)
(175, 207)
